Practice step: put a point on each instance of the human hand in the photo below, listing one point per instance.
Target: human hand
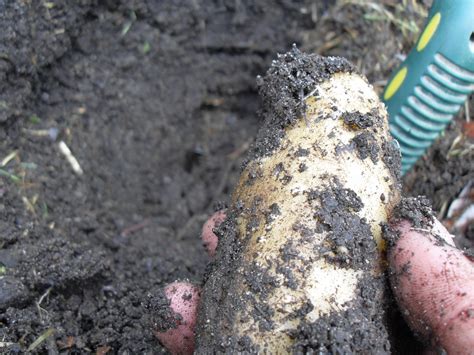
(433, 283)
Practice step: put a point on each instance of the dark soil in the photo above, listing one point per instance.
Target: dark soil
(157, 100)
(416, 210)
(291, 78)
(444, 171)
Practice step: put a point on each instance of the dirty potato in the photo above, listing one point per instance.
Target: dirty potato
(300, 260)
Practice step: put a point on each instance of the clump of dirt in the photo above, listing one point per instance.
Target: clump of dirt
(366, 146)
(291, 78)
(162, 316)
(417, 210)
(349, 242)
(357, 120)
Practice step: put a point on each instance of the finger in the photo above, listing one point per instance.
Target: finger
(177, 333)
(209, 238)
(179, 337)
(434, 286)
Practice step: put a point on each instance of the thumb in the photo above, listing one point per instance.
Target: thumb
(434, 285)
(176, 318)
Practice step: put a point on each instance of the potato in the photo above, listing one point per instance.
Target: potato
(300, 261)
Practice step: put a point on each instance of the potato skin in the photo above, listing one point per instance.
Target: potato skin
(300, 260)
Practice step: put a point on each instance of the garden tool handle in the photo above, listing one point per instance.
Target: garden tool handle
(430, 86)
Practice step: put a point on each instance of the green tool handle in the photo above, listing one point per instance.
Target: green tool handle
(429, 88)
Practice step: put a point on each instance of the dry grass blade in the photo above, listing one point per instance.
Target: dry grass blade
(41, 339)
(402, 14)
(12, 177)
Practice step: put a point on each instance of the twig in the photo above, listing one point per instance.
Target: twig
(41, 339)
(12, 177)
(8, 158)
(63, 148)
(41, 299)
(30, 205)
(466, 111)
(134, 228)
(5, 344)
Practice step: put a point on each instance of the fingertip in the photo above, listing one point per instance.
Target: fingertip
(440, 230)
(183, 301)
(436, 229)
(459, 335)
(184, 297)
(433, 284)
(209, 238)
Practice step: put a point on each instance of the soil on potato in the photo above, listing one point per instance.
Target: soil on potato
(156, 101)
